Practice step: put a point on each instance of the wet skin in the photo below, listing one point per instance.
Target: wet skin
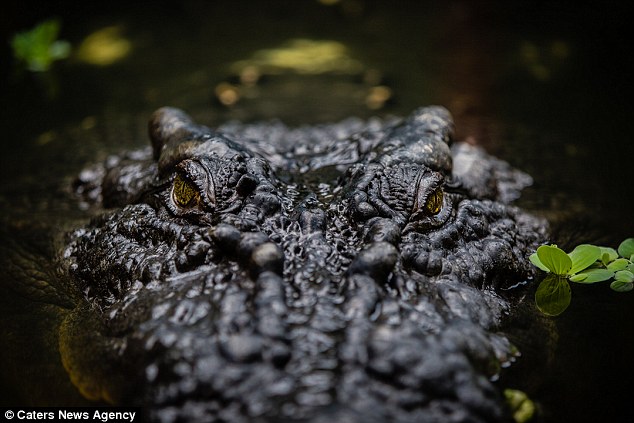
(357, 270)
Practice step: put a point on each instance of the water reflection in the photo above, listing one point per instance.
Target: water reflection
(304, 56)
(553, 295)
(325, 73)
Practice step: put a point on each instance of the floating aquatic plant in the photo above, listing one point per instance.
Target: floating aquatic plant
(585, 264)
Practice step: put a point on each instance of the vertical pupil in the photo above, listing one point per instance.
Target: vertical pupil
(434, 202)
(185, 192)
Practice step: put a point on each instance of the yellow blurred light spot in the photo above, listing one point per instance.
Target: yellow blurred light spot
(377, 97)
(46, 137)
(104, 47)
(89, 122)
(303, 56)
(328, 2)
(227, 94)
(249, 76)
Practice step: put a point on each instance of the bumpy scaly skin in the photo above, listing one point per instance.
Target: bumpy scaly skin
(308, 274)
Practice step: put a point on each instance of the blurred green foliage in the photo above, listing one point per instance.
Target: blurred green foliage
(39, 47)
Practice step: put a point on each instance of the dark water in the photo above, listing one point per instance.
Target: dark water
(541, 84)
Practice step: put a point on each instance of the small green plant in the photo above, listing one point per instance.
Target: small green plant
(522, 407)
(39, 47)
(585, 264)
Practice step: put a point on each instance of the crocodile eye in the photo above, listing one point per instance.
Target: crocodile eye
(433, 205)
(184, 192)
(429, 198)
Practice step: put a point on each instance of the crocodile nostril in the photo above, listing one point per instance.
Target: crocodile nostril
(313, 220)
(381, 229)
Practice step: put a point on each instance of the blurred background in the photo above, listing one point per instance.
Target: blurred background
(542, 84)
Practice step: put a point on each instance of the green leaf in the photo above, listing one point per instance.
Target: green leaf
(608, 254)
(555, 259)
(553, 295)
(579, 277)
(619, 286)
(583, 256)
(618, 264)
(626, 249)
(595, 275)
(624, 276)
(535, 260)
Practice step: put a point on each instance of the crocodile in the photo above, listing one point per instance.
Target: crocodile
(365, 270)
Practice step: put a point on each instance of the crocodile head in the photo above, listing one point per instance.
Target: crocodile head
(357, 270)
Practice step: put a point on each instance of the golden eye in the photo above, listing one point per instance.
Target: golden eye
(184, 192)
(433, 205)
